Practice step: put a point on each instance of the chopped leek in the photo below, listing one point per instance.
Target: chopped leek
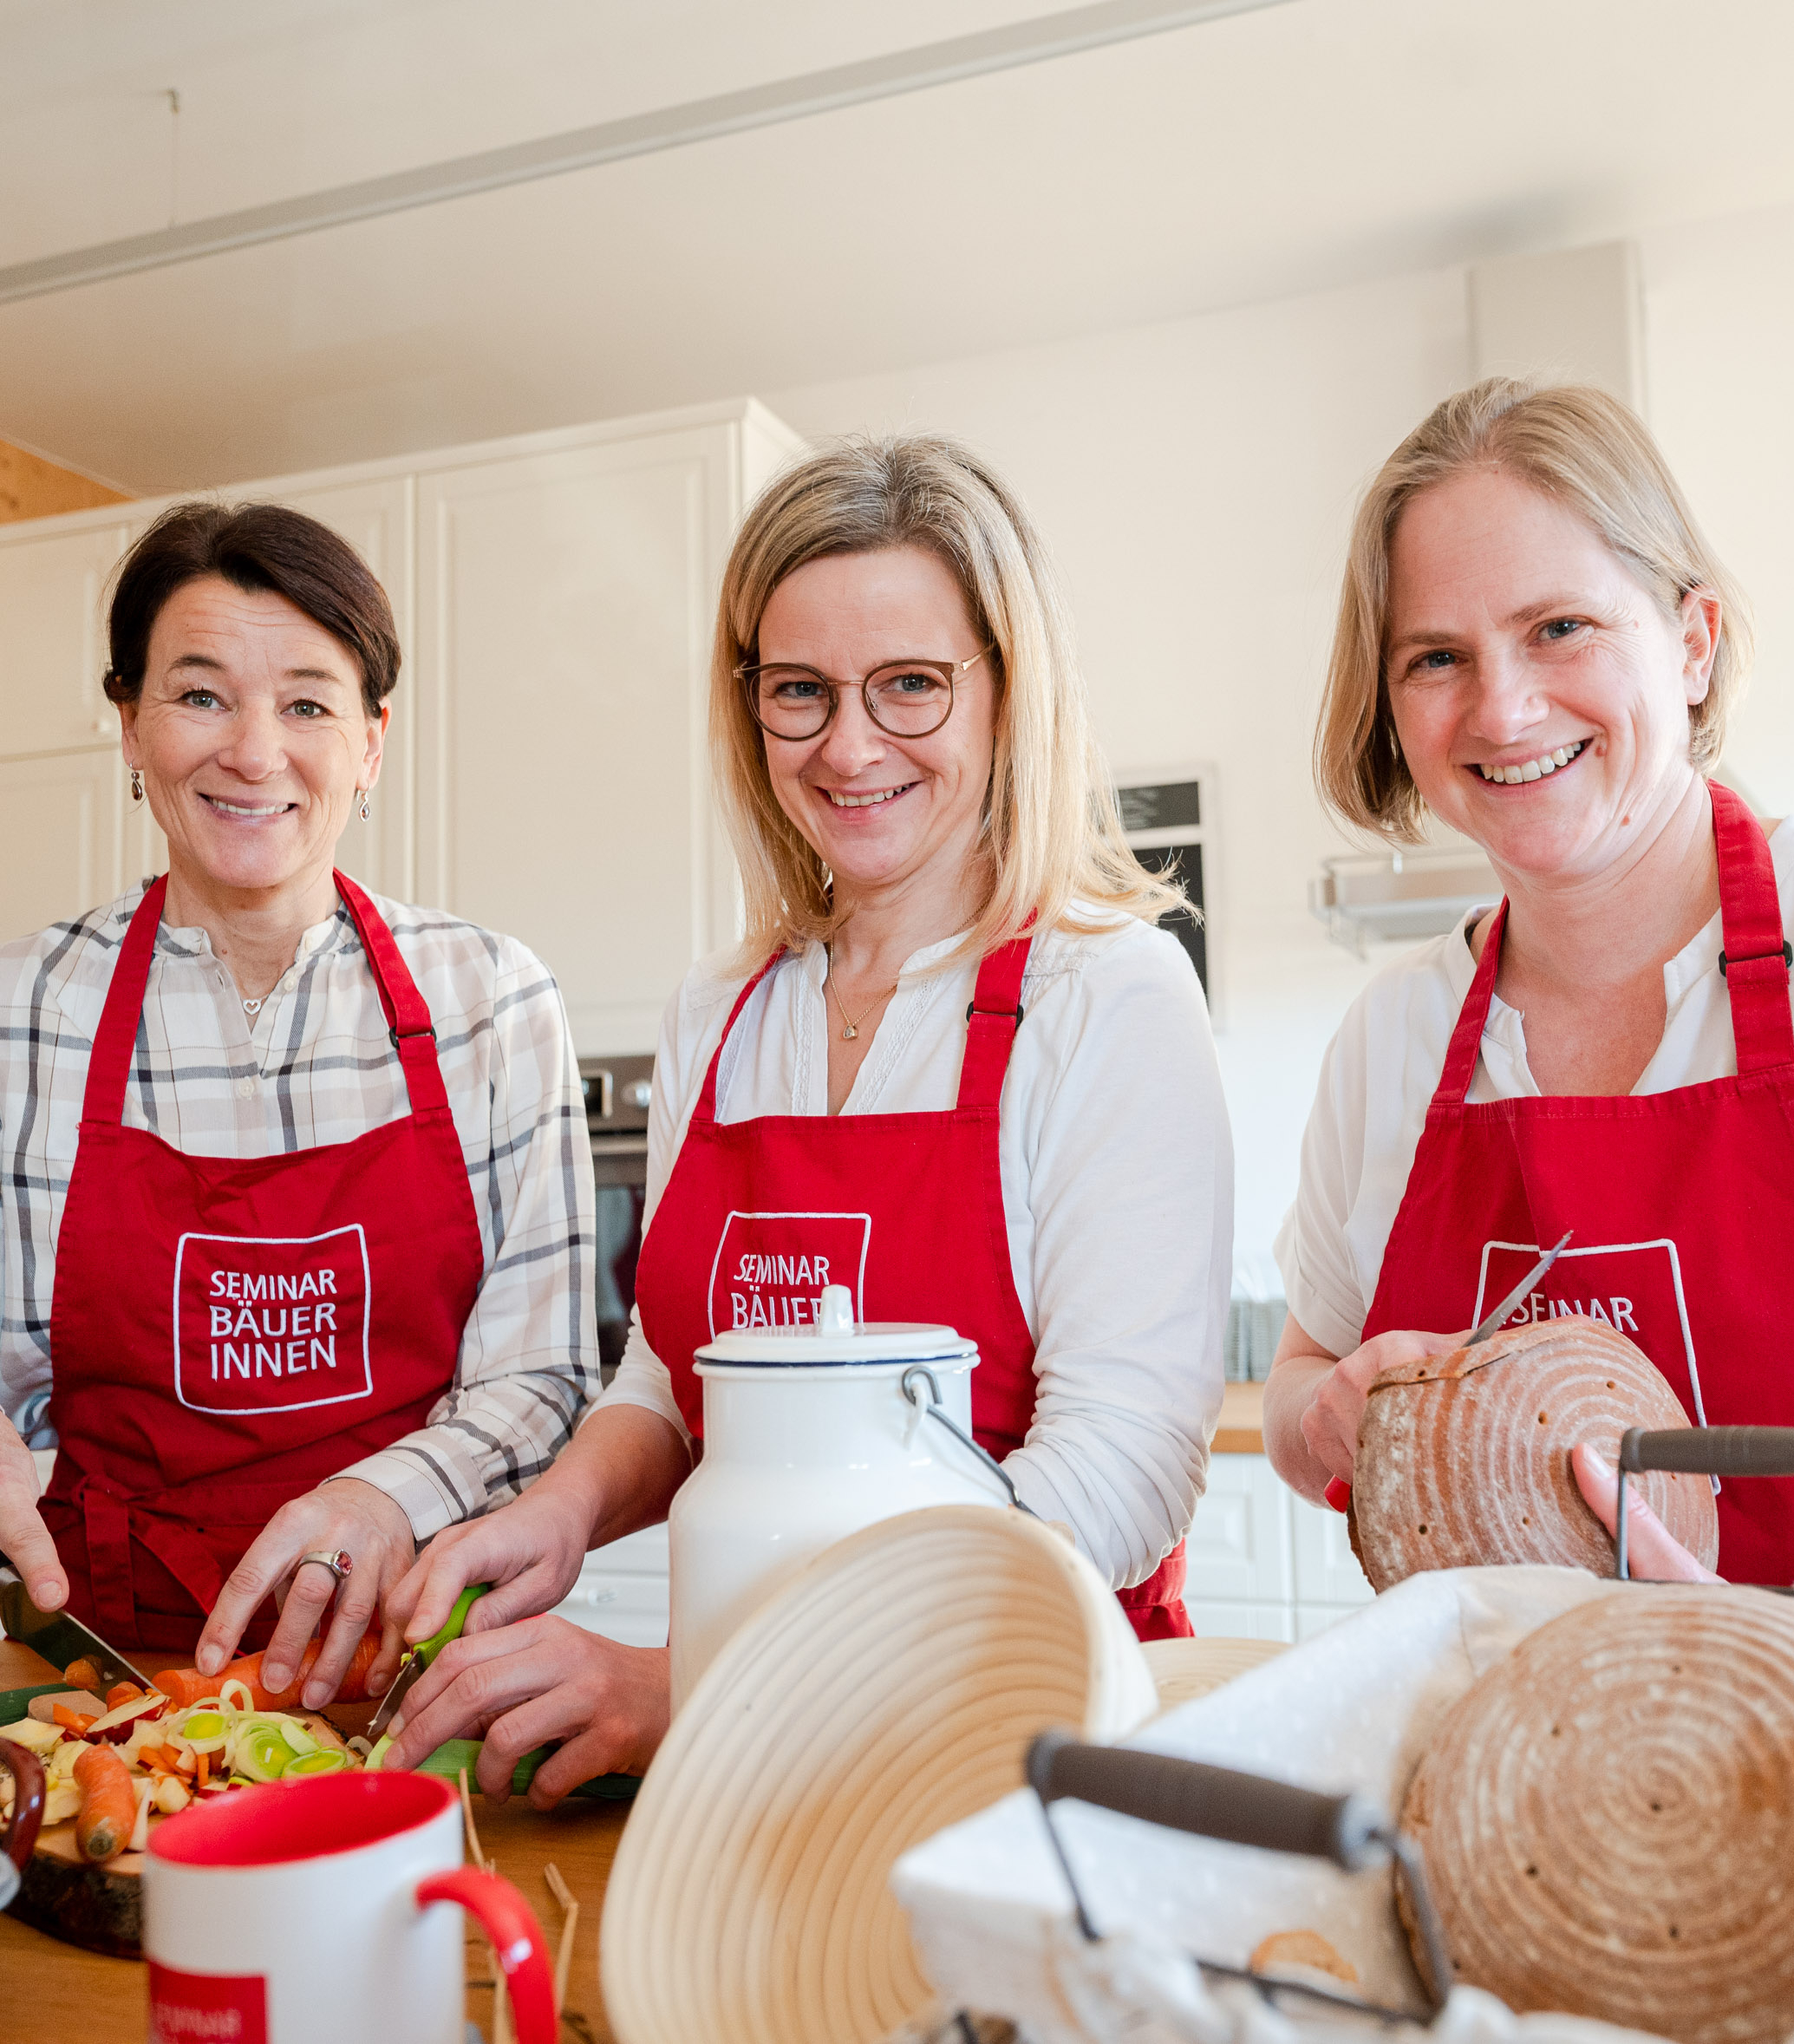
(322, 1760)
(262, 1754)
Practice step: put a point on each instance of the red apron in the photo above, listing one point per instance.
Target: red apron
(1682, 1204)
(907, 1209)
(224, 1334)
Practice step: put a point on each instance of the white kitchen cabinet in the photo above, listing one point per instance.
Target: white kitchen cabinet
(1263, 1564)
(52, 636)
(622, 1592)
(546, 771)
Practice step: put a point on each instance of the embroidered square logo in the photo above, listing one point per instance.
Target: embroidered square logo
(271, 1323)
(770, 1269)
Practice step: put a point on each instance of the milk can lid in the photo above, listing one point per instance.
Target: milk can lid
(835, 1338)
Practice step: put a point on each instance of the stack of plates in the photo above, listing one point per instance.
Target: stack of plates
(890, 1689)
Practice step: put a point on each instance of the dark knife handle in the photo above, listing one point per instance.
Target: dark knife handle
(1213, 1802)
(1711, 1450)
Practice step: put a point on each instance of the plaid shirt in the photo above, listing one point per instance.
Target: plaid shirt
(316, 1066)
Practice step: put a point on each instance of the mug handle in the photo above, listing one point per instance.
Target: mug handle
(516, 1939)
(26, 1771)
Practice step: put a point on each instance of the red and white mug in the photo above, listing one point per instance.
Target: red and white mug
(310, 1911)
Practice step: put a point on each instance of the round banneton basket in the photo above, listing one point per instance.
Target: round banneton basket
(889, 1690)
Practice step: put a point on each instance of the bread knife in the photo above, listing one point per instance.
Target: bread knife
(1338, 1494)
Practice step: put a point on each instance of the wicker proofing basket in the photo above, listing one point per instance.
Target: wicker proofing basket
(889, 1689)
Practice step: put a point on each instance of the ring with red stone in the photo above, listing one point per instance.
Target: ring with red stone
(340, 1564)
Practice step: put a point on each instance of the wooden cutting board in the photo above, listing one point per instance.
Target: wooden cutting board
(98, 1908)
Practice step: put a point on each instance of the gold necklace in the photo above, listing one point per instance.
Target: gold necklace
(850, 1028)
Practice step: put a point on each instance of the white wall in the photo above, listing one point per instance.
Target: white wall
(1195, 480)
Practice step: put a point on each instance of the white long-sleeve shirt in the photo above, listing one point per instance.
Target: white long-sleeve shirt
(1381, 1072)
(1118, 1192)
(316, 1066)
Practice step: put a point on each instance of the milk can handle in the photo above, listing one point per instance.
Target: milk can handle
(936, 1410)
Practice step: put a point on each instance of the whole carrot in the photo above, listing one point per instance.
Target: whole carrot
(108, 1804)
(186, 1685)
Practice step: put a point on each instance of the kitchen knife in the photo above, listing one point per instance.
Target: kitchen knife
(1493, 1321)
(419, 1657)
(59, 1638)
(1338, 1494)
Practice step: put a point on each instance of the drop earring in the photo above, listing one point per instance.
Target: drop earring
(361, 809)
(136, 785)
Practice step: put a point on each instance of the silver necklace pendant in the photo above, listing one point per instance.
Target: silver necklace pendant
(849, 1033)
(252, 1007)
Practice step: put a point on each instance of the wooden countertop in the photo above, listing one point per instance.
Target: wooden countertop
(1242, 1428)
(75, 1997)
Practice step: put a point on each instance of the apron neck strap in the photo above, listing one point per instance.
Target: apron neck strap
(109, 1062)
(1755, 957)
(1472, 1019)
(991, 1022)
(408, 1016)
(706, 1109)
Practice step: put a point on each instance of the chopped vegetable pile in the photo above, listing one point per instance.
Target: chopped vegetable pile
(110, 1765)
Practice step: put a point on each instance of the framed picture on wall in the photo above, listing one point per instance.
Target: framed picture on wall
(1169, 820)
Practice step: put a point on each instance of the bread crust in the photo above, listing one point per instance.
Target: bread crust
(1607, 1816)
(1464, 1460)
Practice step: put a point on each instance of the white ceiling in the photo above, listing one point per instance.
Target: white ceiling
(1310, 144)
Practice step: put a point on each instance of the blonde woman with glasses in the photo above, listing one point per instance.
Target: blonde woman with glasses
(1536, 645)
(950, 1013)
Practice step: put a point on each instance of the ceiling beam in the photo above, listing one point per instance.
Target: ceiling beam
(1031, 42)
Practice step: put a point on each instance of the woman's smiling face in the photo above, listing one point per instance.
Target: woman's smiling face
(880, 810)
(251, 737)
(1540, 692)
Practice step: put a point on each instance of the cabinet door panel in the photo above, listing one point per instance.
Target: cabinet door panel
(1327, 1570)
(65, 832)
(1215, 1620)
(565, 604)
(53, 642)
(1239, 1545)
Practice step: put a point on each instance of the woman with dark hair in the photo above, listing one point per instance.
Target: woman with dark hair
(294, 1217)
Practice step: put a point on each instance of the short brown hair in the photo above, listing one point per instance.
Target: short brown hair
(254, 546)
(1590, 452)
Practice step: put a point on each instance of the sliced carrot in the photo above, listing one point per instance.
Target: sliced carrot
(122, 1693)
(200, 1777)
(81, 1675)
(184, 1687)
(108, 1804)
(72, 1721)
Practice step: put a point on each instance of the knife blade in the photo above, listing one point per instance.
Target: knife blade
(418, 1658)
(58, 1637)
(1493, 1321)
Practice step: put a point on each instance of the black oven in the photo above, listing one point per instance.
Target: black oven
(618, 1091)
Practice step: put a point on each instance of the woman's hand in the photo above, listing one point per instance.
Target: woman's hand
(1313, 1402)
(522, 1685)
(1652, 1553)
(24, 1538)
(344, 1512)
(529, 1551)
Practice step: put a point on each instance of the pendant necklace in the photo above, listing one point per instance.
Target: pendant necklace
(252, 1007)
(850, 1028)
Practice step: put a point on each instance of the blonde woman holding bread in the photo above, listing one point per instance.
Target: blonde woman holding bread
(1537, 646)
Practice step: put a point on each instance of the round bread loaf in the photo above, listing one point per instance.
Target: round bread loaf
(1607, 1816)
(1464, 1460)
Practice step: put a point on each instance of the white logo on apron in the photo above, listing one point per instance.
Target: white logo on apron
(1636, 1287)
(271, 1323)
(770, 1269)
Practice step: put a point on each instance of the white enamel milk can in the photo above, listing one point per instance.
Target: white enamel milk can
(810, 1433)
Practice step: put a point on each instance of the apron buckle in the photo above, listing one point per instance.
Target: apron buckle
(429, 1030)
(994, 1014)
(1787, 958)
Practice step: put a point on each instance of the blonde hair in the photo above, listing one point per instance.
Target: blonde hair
(1593, 455)
(1051, 830)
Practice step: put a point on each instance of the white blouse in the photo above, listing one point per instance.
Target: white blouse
(1117, 1189)
(1382, 1069)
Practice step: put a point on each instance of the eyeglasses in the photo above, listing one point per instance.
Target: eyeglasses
(908, 698)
